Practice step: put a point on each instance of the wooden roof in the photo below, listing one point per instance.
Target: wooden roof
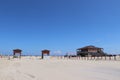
(89, 47)
(17, 50)
(45, 50)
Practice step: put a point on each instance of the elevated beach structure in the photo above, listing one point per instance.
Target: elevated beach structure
(17, 53)
(90, 51)
(45, 52)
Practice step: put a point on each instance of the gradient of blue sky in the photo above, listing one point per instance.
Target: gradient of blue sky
(59, 25)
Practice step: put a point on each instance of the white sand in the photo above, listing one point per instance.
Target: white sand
(53, 69)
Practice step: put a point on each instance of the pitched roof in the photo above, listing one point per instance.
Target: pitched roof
(17, 50)
(89, 47)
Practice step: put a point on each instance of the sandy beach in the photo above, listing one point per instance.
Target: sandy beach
(58, 69)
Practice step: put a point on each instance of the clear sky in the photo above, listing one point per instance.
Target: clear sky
(59, 25)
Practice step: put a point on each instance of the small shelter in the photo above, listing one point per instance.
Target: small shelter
(17, 53)
(45, 52)
(90, 51)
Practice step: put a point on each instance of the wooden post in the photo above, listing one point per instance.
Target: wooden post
(97, 57)
(82, 57)
(90, 57)
(42, 55)
(105, 57)
(94, 57)
(87, 57)
(101, 57)
(109, 57)
(114, 57)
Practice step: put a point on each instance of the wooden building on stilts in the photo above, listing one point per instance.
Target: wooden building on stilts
(90, 51)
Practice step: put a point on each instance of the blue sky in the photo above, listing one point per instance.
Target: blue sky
(59, 25)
